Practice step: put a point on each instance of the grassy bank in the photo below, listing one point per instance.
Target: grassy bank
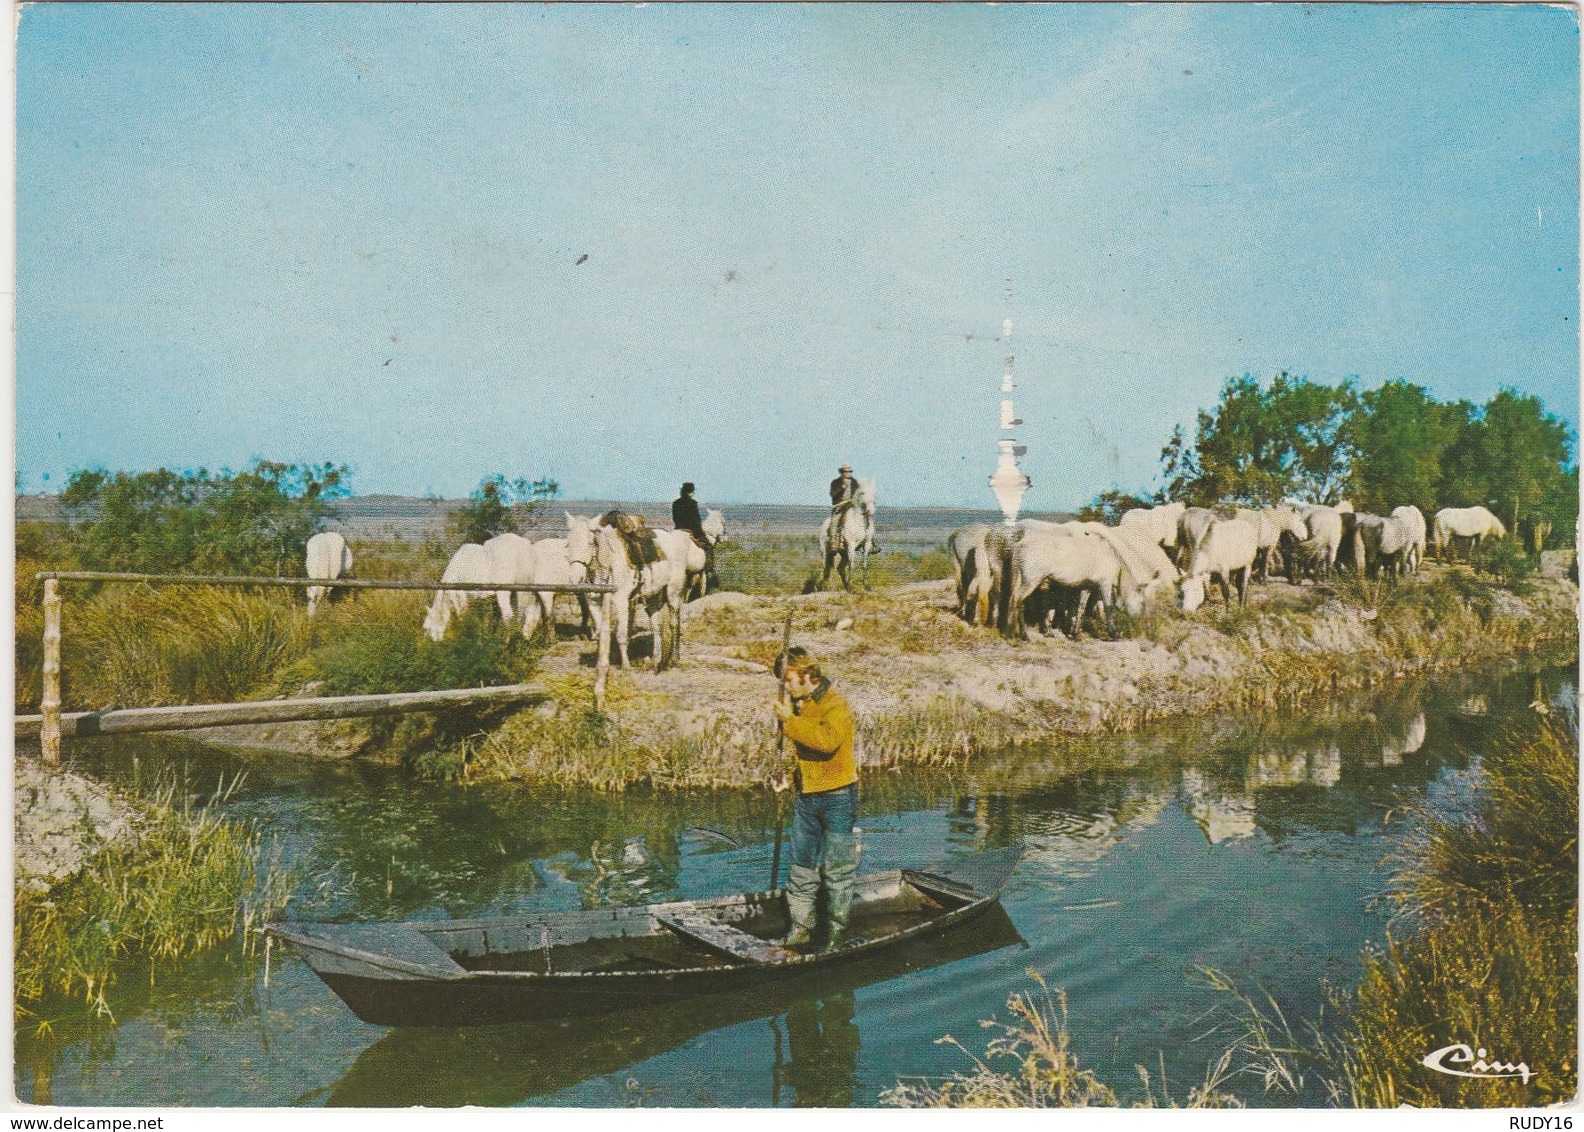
(183, 881)
(929, 690)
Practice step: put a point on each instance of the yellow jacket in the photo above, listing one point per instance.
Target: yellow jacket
(822, 731)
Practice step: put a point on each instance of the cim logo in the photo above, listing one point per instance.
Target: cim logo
(1444, 1059)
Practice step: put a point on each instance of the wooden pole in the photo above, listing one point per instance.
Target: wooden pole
(329, 583)
(122, 721)
(603, 642)
(50, 700)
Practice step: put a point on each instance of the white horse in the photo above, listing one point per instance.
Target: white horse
(1473, 523)
(1319, 550)
(1269, 524)
(1072, 558)
(653, 586)
(714, 527)
(1225, 554)
(470, 563)
(966, 547)
(329, 558)
(1161, 524)
(855, 537)
(513, 560)
(1411, 521)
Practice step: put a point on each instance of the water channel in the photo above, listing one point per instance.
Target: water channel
(1252, 847)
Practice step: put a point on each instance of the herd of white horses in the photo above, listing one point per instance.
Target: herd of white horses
(652, 583)
(1050, 573)
(1055, 570)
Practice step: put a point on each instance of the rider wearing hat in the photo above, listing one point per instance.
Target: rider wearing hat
(842, 490)
(685, 517)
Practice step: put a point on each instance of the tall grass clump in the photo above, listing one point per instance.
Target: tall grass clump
(1031, 1064)
(946, 730)
(189, 880)
(142, 647)
(1485, 951)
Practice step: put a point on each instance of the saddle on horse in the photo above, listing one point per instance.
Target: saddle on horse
(642, 548)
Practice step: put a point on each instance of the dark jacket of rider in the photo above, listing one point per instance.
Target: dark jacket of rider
(842, 490)
(685, 517)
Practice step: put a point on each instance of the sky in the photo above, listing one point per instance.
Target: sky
(624, 247)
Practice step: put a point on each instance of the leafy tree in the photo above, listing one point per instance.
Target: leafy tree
(1109, 505)
(1259, 445)
(1398, 435)
(499, 505)
(253, 522)
(1526, 452)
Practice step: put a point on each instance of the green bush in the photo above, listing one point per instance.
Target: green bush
(1506, 560)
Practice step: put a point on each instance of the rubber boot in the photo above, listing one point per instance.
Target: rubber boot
(841, 870)
(801, 890)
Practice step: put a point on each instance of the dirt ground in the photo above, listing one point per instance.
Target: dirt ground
(904, 651)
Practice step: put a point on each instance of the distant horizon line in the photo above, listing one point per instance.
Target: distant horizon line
(568, 500)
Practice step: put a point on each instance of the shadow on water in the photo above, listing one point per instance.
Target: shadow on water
(506, 1065)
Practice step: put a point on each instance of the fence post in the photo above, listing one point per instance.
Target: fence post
(50, 700)
(602, 658)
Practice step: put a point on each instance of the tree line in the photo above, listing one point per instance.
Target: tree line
(1293, 438)
(254, 521)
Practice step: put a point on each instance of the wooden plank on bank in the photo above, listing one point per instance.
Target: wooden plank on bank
(123, 721)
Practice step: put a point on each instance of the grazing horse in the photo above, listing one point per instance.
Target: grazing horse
(1396, 545)
(1473, 523)
(1270, 523)
(856, 535)
(1160, 524)
(1362, 535)
(1070, 557)
(654, 585)
(1225, 554)
(966, 547)
(512, 559)
(1411, 522)
(329, 558)
(1319, 551)
(470, 563)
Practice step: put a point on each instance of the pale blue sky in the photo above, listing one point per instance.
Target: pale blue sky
(352, 232)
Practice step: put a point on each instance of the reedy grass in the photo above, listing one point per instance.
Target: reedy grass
(189, 881)
(1043, 1070)
(1485, 950)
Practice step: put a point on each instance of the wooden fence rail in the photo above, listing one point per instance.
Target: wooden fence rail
(121, 721)
(50, 725)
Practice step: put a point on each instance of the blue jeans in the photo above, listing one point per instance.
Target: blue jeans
(822, 832)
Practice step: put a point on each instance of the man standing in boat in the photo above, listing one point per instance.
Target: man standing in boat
(818, 721)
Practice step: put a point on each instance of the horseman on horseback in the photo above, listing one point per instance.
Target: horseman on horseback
(843, 489)
(685, 517)
(851, 525)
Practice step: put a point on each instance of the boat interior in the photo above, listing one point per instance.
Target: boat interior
(732, 931)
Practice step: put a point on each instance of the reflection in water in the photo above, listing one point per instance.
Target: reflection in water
(823, 1037)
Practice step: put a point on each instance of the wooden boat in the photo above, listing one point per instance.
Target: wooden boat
(498, 1066)
(566, 964)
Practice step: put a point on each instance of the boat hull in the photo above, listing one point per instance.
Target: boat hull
(408, 974)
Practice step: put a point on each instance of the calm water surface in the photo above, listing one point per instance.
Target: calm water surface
(1249, 848)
